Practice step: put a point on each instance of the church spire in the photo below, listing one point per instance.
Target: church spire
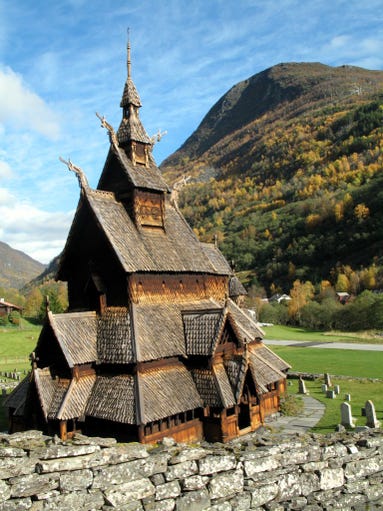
(131, 134)
(129, 61)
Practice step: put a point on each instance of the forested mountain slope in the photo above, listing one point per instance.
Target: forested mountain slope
(287, 172)
(16, 268)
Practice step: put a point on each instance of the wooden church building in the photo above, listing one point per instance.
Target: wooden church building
(154, 343)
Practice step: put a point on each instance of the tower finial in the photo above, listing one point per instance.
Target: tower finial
(129, 63)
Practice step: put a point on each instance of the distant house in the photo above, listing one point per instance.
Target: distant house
(279, 298)
(7, 307)
(343, 297)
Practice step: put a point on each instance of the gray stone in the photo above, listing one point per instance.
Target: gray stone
(212, 464)
(223, 506)
(181, 470)
(324, 388)
(371, 420)
(193, 501)
(5, 491)
(264, 494)
(331, 478)
(241, 502)
(337, 389)
(163, 505)
(346, 415)
(330, 394)
(226, 484)
(63, 464)
(124, 472)
(12, 467)
(76, 480)
(26, 439)
(188, 455)
(126, 492)
(195, 482)
(16, 505)
(347, 397)
(32, 484)
(253, 467)
(75, 501)
(12, 452)
(168, 490)
(334, 451)
(327, 379)
(362, 468)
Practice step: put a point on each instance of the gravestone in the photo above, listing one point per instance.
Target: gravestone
(301, 387)
(371, 420)
(347, 397)
(337, 389)
(330, 394)
(327, 379)
(324, 388)
(346, 416)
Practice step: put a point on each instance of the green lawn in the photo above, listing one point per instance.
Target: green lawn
(365, 364)
(360, 392)
(18, 342)
(288, 333)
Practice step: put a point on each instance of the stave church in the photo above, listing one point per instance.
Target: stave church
(155, 342)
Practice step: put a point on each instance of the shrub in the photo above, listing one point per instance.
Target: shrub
(14, 318)
(291, 405)
(3, 320)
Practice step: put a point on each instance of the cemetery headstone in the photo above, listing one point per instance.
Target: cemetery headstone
(346, 416)
(371, 420)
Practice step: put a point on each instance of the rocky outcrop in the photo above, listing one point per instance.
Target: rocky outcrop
(311, 472)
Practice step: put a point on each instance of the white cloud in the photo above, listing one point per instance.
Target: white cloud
(38, 233)
(22, 108)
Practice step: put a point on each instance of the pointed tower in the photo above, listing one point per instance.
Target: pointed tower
(131, 135)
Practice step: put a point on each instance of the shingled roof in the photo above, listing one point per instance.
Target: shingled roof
(76, 334)
(263, 372)
(174, 249)
(115, 343)
(167, 391)
(51, 391)
(113, 398)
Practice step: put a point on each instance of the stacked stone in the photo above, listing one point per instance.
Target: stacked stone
(263, 472)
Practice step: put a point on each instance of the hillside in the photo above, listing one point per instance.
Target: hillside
(16, 268)
(287, 172)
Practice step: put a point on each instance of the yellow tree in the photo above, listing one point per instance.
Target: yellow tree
(300, 294)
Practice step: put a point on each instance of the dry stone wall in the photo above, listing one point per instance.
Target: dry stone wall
(265, 472)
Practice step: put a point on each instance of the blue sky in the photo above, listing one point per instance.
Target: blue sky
(63, 60)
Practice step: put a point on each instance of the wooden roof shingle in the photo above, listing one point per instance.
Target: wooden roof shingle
(76, 333)
(115, 336)
(158, 331)
(202, 329)
(51, 391)
(167, 391)
(174, 249)
(243, 324)
(113, 398)
(263, 372)
(75, 400)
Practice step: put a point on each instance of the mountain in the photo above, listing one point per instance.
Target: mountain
(16, 268)
(286, 172)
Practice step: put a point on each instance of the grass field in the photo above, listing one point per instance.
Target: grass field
(365, 364)
(289, 333)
